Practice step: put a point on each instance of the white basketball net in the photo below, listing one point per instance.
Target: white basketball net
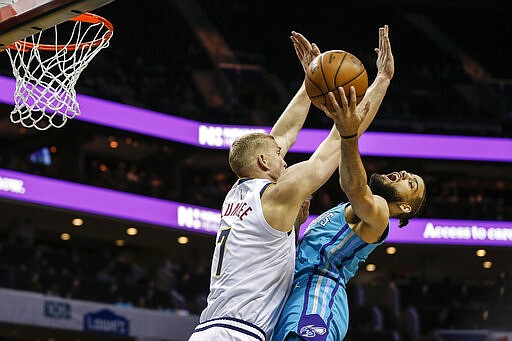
(45, 93)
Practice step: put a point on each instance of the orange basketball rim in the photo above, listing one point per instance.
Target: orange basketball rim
(88, 18)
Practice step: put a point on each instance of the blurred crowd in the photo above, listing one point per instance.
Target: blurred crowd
(452, 194)
(436, 88)
(120, 276)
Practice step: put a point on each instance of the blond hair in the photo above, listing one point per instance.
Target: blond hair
(243, 151)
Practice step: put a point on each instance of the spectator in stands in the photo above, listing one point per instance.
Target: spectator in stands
(22, 231)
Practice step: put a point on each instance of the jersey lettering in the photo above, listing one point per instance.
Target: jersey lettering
(239, 209)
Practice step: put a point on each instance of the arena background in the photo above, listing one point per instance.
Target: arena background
(232, 63)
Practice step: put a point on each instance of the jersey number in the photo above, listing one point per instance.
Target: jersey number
(223, 237)
(326, 219)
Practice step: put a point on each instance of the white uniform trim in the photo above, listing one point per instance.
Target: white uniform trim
(234, 324)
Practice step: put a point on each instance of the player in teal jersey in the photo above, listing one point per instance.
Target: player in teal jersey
(340, 239)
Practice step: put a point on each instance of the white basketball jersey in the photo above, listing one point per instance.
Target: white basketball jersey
(253, 263)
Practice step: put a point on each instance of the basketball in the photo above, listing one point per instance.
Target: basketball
(333, 69)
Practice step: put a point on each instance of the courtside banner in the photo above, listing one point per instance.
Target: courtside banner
(99, 201)
(215, 136)
(35, 309)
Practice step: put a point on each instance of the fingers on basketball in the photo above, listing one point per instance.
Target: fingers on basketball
(333, 69)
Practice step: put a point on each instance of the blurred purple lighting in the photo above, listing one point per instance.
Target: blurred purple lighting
(213, 136)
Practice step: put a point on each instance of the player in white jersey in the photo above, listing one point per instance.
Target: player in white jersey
(253, 245)
(253, 261)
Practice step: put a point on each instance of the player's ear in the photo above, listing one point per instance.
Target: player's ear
(262, 162)
(405, 207)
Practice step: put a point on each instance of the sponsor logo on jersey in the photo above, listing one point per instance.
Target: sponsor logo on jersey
(312, 331)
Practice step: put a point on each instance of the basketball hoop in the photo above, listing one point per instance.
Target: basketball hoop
(46, 73)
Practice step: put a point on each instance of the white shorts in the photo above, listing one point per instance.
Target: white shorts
(227, 329)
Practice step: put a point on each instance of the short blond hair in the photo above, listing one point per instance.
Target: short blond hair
(243, 151)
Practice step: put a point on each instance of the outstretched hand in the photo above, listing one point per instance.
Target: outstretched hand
(385, 60)
(346, 115)
(304, 49)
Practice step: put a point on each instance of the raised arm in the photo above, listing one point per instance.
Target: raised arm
(302, 179)
(328, 153)
(371, 209)
(287, 127)
(385, 71)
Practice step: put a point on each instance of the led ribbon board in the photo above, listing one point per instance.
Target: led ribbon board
(213, 136)
(94, 200)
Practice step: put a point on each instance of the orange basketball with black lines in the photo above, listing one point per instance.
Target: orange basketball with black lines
(331, 70)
